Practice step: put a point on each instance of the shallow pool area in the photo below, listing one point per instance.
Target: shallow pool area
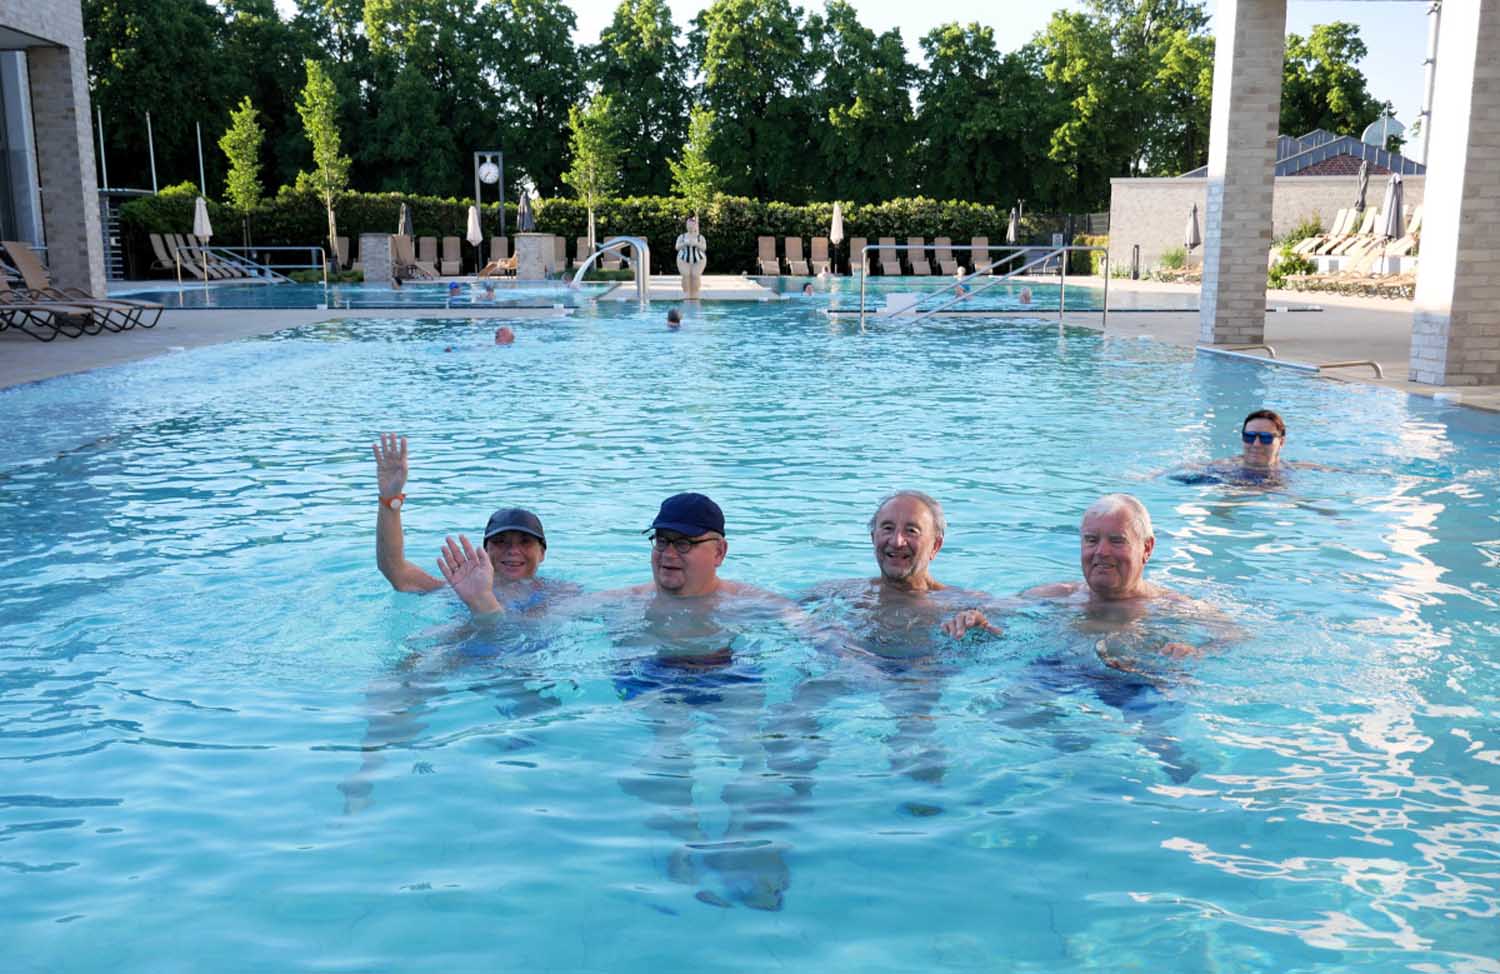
(228, 745)
(469, 294)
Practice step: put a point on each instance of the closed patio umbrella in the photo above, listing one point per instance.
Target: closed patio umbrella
(1391, 207)
(475, 234)
(1190, 235)
(525, 222)
(1011, 229)
(404, 225)
(836, 228)
(1364, 186)
(202, 229)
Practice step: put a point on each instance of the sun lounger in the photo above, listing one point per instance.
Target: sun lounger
(859, 261)
(1406, 244)
(427, 250)
(1310, 245)
(820, 262)
(559, 253)
(943, 254)
(453, 257)
(796, 264)
(161, 255)
(45, 320)
(113, 313)
(405, 263)
(917, 257)
(181, 255)
(980, 255)
(888, 257)
(499, 247)
(765, 256)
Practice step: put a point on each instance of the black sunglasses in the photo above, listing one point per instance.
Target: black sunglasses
(681, 545)
(1265, 438)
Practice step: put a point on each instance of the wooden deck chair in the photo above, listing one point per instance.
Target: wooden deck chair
(427, 250)
(888, 257)
(820, 261)
(943, 254)
(1340, 233)
(1360, 236)
(859, 261)
(453, 257)
(765, 256)
(980, 255)
(77, 309)
(796, 264)
(920, 264)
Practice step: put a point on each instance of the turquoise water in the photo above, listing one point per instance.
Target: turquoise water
(227, 745)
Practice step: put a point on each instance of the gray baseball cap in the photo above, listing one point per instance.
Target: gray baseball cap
(515, 519)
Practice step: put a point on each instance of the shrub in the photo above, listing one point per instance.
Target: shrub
(1287, 264)
(1173, 260)
(1087, 262)
(1309, 227)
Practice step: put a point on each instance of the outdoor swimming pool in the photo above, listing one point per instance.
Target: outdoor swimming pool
(200, 652)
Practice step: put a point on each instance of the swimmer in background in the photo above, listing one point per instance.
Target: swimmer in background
(1025, 295)
(1259, 464)
(504, 336)
(674, 319)
(489, 290)
(959, 287)
(395, 282)
(807, 290)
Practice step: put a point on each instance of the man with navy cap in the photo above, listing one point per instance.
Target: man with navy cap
(514, 542)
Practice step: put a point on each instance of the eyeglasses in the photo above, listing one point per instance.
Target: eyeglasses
(680, 545)
(1265, 438)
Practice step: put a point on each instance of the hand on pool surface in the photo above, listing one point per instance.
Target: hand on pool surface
(1181, 650)
(959, 625)
(390, 463)
(468, 570)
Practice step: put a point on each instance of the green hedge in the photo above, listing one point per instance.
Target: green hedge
(731, 224)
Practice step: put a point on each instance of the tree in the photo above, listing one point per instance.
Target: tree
(536, 77)
(866, 129)
(319, 108)
(695, 178)
(640, 63)
(1321, 86)
(755, 69)
(595, 171)
(241, 146)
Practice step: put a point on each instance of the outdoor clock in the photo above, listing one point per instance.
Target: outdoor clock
(489, 173)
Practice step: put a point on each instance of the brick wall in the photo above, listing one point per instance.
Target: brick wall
(1154, 212)
(63, 137)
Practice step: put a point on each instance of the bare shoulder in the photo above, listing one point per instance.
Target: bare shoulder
(1054, 590)
(744, 590)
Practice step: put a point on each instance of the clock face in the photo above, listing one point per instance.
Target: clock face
(489, 173)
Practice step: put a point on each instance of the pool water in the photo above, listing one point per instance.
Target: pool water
(228, 745)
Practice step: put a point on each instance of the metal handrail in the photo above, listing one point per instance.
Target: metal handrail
(1379, 372)
(1015, 251)
(230, 256)
(1270, 350)
(642, 261)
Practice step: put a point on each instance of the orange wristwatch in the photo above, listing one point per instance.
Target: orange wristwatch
(393, 502)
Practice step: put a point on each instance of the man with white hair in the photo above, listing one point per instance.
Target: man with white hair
(1115, 543)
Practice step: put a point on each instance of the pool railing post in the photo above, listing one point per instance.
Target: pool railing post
(1062, 285)
(1104, 312)
(864, 273)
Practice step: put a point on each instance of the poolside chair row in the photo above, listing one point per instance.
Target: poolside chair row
(1355, 235)
(42, 311)
(170, 249)
(921, 260)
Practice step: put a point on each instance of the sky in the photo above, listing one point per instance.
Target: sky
(1395, 31)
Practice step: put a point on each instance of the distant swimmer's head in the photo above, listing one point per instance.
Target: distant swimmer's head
(504, 336)
(687, 545)
(1115, 542)
(515, 542)
(674, 318)
(907, 530)
(1263, 433)
(807, 289)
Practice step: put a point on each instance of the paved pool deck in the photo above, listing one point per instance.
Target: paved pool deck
(1343, 329)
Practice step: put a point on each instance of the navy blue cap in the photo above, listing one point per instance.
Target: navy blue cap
(688, 514)
(515, 519)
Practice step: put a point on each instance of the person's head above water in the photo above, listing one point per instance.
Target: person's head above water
(1263, 433)
(674, 318)
(515, 542)
(807, 289)
(687, 545)
(1115, 542)
(907, 531)
(504, 336)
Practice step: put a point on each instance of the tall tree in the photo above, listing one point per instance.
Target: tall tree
(536, 76)
(319, 110)
(865, 131)
(161, 56)
(1322, 86)
(595, 170)
(694, 176)
(640, 63)
(755, 70)
(241, 146)
(259, 52)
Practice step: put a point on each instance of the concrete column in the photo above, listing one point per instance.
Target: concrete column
(375, 257)
(65, 163)
(1249, 50)
(534, 255)
(1455, 336)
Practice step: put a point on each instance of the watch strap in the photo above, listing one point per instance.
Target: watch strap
(393, 502)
